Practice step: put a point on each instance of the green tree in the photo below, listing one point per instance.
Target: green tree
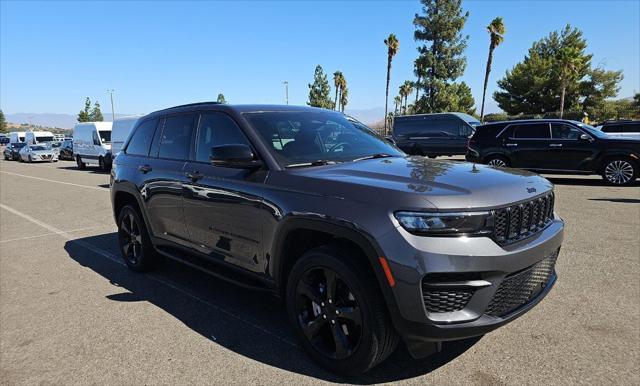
(221, 98)
(96, 114)
(418, 70)
(320, 91)
(496, 31)
(344, 98)
(407, 87)
(393, 45)
(439, 28)
(337, 83)
(85, 114)
(535, 85)
(3, 123)
(398, 101)
(636, 99)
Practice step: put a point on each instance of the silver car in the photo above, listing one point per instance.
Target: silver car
(38, 153)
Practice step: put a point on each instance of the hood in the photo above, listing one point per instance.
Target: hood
(419, 183)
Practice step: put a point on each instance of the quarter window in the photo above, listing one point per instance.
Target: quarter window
(532, 131)
(217, 129)
(141, 139)
(176, 137)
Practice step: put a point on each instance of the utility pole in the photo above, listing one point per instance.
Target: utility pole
(113, 113)
(286, 91)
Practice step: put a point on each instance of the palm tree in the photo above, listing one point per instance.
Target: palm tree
(337, 81)
(402, 92)
(398, 101)
(408, 89)
(392, 44)
(496, 30)
(344, 98)
(569, 62)
(343, 89)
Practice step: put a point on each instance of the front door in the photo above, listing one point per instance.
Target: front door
(222, 205)
(570, 152)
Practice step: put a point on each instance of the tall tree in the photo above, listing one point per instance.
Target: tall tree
(408, 89)
(96, 114)
(496, 31)
(418, 70)
(398, 101)
(3, 122)
(344, 98)
(402, 92)
(568, 64)
(221, 98)
(320, 91)
(393, 45)
(85, 114)
(439, 29)
(337, 83)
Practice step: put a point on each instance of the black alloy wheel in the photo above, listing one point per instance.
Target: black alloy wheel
(135, 246)
(328, 313)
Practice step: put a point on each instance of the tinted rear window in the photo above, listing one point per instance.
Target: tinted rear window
(176, 137)
(141, 138)
(622, 128)
(488, 131)
(428, 127)
(532, 131)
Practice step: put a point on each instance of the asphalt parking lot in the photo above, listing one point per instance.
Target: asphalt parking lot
(71, 312)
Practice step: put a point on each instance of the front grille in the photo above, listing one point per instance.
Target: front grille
(519, 288)
(445, 300)
(522, 220)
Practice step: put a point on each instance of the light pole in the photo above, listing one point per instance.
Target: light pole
(286, 91)
(113, 113)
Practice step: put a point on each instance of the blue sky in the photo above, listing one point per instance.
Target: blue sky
(159, 54)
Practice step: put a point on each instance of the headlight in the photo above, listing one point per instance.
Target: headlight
(446, 224)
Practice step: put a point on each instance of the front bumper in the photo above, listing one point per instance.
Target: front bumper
(463, 261)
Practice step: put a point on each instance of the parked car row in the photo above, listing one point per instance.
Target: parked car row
(24, 152)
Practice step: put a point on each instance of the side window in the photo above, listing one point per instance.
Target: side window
(176, 137)
(532, 131)
(141, 138)
(611, 129)
(217, 129)
(564, 131)
(96, 140)
(631, 128)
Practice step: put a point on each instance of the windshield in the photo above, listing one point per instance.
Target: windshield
(38, 147)
(19, 145)
(43, 139)
(298, 137)
(105, 135)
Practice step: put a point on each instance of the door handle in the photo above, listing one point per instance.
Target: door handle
(555, 145)
(144, 168)
(511, 144)
(194, 176)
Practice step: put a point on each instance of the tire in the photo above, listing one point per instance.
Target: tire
(81, 165)
(101, 164)
(135, 245)
(620, 171)
(30, 160)
(497, 161)
(356, 294)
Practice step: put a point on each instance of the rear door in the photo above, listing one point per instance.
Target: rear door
(164, 176)
(528, 145)
(222, 205)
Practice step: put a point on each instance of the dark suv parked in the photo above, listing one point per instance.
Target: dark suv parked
(365, 244)
(434, 134)
(12, 151)
(554, 145)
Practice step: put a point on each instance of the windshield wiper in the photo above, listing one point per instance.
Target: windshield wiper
(312, 163)
(374, 156)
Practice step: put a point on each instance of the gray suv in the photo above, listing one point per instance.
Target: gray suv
(366, 245)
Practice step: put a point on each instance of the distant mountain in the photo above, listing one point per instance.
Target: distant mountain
(64, 121)
(368, 116)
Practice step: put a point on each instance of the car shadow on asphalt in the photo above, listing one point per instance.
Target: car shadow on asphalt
(249, 322)
(89, 169)
(583, 181)
(618, 200)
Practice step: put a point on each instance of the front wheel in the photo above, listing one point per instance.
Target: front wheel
(81, 165)
(620, 171)
(338, 313)
(497, 161)
(101, 164)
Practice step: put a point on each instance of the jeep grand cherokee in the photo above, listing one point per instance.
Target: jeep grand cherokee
(365, 244)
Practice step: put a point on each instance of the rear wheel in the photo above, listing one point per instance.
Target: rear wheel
(620, 171)
(101, 164)
(497, 161)
(81, 165)
(135, 245)
(338, 313)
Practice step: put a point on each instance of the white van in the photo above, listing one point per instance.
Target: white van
(16, 136)
(33, 137)
(92, 144)
(120, 131)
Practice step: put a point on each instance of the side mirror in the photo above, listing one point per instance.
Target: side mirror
(234, 156)
(585, 137)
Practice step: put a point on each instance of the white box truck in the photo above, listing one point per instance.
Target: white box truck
(33, 137)
(120, 131)
(16, 136)
(92, 144)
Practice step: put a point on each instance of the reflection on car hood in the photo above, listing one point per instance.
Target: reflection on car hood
(417, 183)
